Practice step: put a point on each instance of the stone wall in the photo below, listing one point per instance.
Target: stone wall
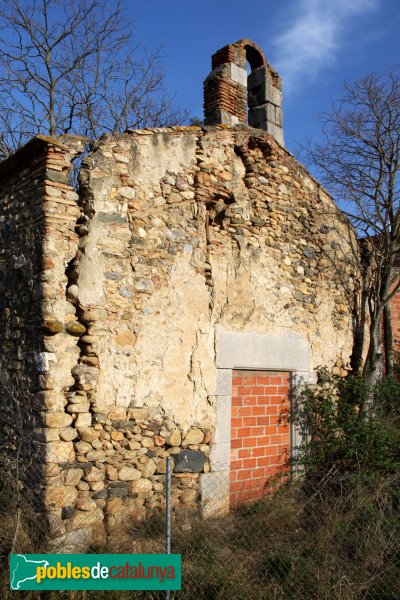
(176, 234)
(32, 203)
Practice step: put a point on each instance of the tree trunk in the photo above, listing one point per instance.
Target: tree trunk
(360, 310)
(373, 367)
(388, 339)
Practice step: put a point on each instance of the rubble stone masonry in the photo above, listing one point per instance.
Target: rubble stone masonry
(111, 297)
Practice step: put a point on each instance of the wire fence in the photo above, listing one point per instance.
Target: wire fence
(312, 538)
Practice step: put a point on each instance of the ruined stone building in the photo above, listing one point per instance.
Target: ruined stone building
(170, 305)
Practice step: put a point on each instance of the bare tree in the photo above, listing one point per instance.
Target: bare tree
(69, 66)
(358, 160)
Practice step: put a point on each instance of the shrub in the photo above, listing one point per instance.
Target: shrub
(338, 437)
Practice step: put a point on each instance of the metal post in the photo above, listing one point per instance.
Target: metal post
(168, 515)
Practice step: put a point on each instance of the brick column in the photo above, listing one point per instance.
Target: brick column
(225, 89)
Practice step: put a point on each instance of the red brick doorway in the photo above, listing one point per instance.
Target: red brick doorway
(260, 432)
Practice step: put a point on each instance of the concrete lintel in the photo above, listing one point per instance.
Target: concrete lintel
(250, 350)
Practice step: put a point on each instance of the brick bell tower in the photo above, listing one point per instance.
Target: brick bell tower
(232, 97)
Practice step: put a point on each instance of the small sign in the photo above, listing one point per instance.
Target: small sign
(95, 571)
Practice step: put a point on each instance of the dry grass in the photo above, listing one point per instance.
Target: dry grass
(339, 539)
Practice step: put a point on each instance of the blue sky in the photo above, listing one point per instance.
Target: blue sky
(314, 44)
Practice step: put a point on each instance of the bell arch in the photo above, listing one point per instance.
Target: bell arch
(232, 97)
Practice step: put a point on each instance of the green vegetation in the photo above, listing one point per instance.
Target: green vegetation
(341, 439)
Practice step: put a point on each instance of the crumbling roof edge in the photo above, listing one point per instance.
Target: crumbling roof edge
(234, 128)
(40, 141)
(16, 159)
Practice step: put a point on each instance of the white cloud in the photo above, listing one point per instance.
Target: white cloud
(312, 36)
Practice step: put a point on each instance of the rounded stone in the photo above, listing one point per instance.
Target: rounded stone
(75, 328)
(68, 434)
(141, 486)
(188, 496)
(73, 476)
(193, 436)
(5, 314)
(72, 293)
(127, 192)
(59, 452)
(134, 445)
(94, 474)
(83, 486)
(162, 466)
(58, 420)
(147, 442)
(149, 468)
(174, 438)
(91, 361)
(85, 504)
(118, 414)
(98, 455)
(83, 447)
(52, 326)
(87, 434)
(128, 474)
(112, 473)
(78, 408)
(96, 486)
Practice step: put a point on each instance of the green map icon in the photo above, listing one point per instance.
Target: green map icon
(23, 569)
(95, 571)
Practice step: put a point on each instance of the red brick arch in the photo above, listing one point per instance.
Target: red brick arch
(254, 55)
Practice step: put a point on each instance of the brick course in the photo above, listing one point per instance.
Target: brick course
(395, 316)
